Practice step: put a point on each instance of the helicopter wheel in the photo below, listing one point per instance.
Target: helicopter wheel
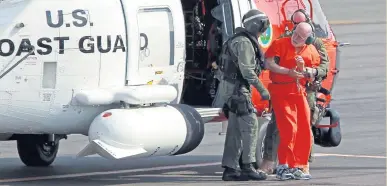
(35, 150)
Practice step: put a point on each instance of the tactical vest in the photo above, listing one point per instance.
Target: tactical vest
(229, 62)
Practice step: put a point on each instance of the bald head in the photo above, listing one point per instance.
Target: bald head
(299, 17)
(303, 29)
(301, 33)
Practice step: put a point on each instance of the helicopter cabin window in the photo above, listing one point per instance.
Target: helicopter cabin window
(156, 37)
(49, 75)
(320, 22)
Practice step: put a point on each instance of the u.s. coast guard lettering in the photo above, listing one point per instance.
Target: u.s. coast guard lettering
(46, 45)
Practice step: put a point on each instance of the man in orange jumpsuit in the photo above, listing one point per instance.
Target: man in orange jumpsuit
(287, 59)
(320, 73)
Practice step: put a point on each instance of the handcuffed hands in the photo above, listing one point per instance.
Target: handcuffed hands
(309, 73)
(295, 74)
(300, 63)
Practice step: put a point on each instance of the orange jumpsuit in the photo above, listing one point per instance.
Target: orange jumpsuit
(290, 105)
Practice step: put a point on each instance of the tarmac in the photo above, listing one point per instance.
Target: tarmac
(359, 97)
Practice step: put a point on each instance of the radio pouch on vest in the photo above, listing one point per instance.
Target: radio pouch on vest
(240, 101)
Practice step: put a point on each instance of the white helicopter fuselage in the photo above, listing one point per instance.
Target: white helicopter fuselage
(85, 66)
(92, 46)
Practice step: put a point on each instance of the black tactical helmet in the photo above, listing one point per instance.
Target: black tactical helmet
(255, 21)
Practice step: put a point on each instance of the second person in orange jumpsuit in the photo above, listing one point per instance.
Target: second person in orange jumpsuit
(286, 60)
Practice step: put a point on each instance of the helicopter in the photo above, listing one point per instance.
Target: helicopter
(133, 76)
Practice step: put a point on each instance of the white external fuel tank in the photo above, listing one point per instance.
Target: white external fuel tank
(144, 132)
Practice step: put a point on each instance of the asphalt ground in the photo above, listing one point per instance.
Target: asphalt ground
(359, 96)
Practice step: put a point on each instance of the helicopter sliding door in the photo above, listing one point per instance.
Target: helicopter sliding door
(156, 40)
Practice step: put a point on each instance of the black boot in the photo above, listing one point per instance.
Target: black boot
(255, 164)
(230, 174)
(240, 161)
(250, 173)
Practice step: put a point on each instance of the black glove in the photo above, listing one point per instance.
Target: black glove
(263, 91)
(265, 95)
(225, 110)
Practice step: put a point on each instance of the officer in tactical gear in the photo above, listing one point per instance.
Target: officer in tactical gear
(319, 74)
(240, 64)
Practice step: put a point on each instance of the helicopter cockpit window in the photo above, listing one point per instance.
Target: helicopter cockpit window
(319, 20)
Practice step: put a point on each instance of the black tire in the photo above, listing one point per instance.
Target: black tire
(34, 151)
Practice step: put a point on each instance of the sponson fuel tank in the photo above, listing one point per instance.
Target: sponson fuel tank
(144, 132)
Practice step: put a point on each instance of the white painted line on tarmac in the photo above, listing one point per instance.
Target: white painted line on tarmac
(343, 22)
(352, 22)
(108, 172)
(158, 169)
(348, 155)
